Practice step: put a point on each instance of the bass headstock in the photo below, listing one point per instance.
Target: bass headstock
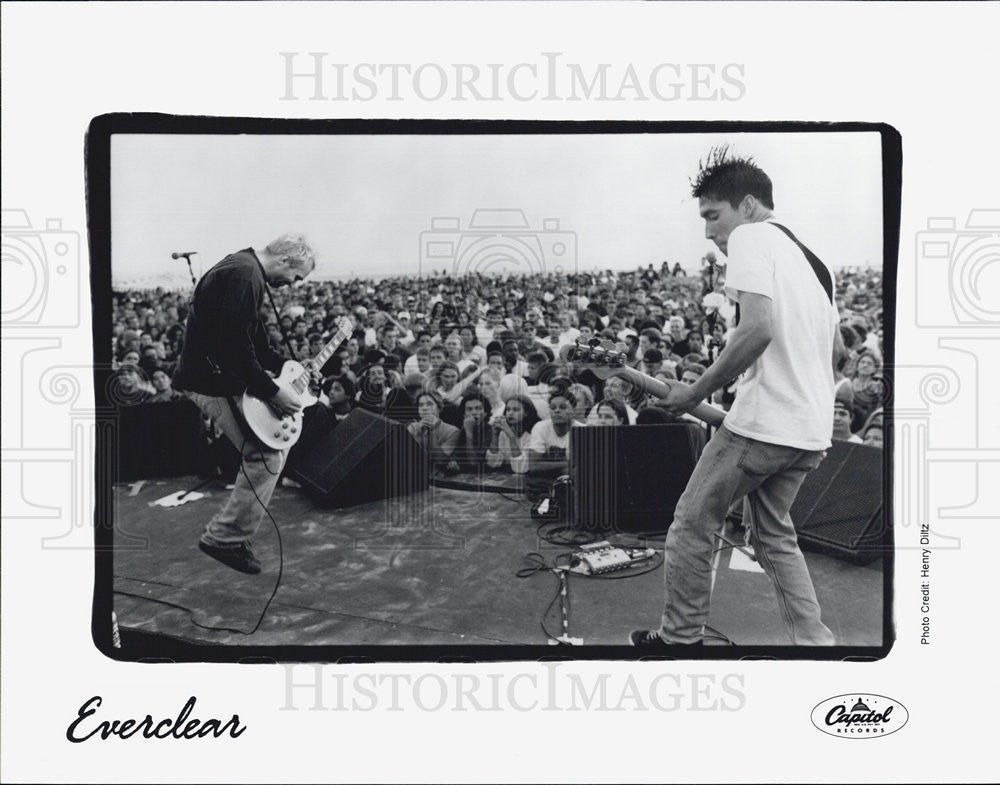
(600, 356)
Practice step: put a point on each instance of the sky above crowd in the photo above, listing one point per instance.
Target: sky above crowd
(386, 205)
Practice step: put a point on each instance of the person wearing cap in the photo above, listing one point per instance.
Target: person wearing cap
(842, 422)
(404, 335)
(652, 361)
(843, 407)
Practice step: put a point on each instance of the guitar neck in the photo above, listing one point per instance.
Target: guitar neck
(301, 382)
(327, 351)
(649, 385)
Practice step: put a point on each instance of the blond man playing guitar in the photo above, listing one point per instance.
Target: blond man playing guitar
(226, 354)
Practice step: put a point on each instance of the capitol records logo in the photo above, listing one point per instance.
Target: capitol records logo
(859, 716)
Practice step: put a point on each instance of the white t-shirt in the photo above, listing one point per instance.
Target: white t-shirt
(786, 396)
(543, 436)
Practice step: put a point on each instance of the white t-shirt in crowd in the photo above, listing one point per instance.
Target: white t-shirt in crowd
(543, 436)
(569, 335)
(786, 396)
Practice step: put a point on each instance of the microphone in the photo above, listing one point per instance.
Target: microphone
(183, 254)
(710, 257)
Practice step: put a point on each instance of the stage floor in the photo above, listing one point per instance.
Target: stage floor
(434, 568)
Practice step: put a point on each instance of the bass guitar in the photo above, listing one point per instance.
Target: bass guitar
(280, 431)
(606, 359)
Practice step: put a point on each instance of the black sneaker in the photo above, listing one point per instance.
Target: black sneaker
(239, 557)
(651, 641)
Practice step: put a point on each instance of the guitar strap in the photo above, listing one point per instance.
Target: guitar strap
(241, 421)
(822, 274)
(284, 336)
(248, 432)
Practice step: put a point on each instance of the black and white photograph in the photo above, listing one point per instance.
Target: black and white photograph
(404, 389)
(498, 391)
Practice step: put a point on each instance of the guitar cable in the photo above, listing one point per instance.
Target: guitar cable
(241, 421)
(277, 583)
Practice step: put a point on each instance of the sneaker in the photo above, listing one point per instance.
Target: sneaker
(651, 641)
(240, 557)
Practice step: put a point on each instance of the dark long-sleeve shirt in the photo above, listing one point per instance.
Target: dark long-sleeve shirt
(224, 330)
(470, 453)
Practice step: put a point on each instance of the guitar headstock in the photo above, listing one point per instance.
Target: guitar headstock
(602, 357)
(345, 326)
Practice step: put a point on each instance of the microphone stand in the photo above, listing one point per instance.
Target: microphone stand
(187, 257)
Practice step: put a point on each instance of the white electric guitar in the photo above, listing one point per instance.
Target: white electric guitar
(281, 431)
(607, 359)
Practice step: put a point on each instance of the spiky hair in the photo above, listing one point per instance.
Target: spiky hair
(723, 176)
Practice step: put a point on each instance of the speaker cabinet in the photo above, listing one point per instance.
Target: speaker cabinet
(628, 478)
(838, 510)
(360, 459)
(157, 440)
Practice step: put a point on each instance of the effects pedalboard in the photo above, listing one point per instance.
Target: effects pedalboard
(602, 557)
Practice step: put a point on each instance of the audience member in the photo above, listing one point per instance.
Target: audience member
(437, 437)
(511, 434)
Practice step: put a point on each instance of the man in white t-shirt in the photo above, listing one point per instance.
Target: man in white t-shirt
(779, 426)
(548, 450)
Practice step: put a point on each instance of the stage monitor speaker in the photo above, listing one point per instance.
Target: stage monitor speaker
(628, 478)
(838, 510)
(360, 459)
(157, 440)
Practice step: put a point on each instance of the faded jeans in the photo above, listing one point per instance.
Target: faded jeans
(242, 513)
(767, 477)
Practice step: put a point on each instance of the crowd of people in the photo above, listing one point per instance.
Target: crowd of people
(472, 364)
